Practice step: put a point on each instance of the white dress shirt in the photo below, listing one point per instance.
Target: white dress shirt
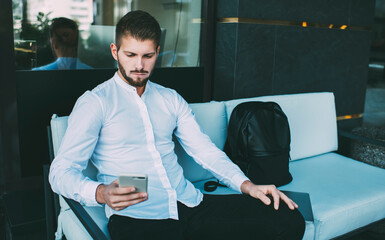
(122, 133)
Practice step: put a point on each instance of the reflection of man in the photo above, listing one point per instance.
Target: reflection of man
(126, 125)
(64, 35)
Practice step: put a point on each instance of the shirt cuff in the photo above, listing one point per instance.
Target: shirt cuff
(89, 193)
(237, 180)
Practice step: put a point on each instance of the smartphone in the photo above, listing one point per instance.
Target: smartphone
(139, 181)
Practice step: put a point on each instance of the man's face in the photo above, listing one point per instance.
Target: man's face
(136, 60)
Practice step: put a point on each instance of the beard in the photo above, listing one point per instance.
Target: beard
(138, 82)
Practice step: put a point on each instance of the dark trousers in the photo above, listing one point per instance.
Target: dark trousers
(217, 217)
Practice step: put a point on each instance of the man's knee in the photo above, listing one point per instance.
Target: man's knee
(292, 225)
(297, 225)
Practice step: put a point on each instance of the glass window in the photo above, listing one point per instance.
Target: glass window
(374, 115)
(76, 34)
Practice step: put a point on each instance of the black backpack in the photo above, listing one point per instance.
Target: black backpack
(258, 141)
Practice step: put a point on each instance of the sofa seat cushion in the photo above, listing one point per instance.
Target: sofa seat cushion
(312, 121)
(345, 194)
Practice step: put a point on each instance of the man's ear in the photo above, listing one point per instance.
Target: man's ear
(157, 50)
(114, 51)
(53, 43)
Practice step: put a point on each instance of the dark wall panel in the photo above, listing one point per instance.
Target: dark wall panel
(275, 57)
(311, 59)
(225, 59)
(352, 12)
(227, 8)
(322, 11)
(255, 60)
(361, 13)
(9, 132)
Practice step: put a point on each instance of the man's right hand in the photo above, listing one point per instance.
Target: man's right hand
(117, 197)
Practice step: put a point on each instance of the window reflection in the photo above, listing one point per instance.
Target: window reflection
(96, 20)
(63, 38)
(374, 115)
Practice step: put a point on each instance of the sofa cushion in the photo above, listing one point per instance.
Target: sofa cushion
(345, 194)
(312, 120)
(212, 119)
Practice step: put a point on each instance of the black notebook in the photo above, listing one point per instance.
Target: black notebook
(303, 201)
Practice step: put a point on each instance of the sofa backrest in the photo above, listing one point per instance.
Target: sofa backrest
(311, 116)
(312, 120)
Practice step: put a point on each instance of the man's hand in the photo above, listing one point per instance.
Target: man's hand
(261, 192)
(117, 197)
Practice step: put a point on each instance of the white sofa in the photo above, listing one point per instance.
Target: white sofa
(345, 194)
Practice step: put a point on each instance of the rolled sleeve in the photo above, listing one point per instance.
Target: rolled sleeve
(89, 193)
(237, 181)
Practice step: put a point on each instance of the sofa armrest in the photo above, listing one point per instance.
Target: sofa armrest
(88, 223)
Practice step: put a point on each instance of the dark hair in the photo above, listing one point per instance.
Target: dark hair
(139, 25)
(62, 22)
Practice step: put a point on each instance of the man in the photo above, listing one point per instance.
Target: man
(64, 34)
(126, 125)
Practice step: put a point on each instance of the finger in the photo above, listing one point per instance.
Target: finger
(128, 203)
(113, 188)
(290, 203)
(123, 204)
(128, 197)
(263, 198)
(115, 183)
(122, 190)
(276, 198)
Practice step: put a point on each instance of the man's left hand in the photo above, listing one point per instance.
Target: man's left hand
(261, 192)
